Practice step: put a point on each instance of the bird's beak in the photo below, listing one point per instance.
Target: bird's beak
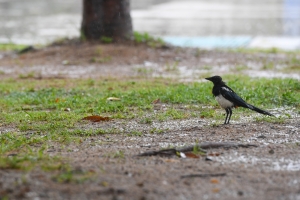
(209, 78)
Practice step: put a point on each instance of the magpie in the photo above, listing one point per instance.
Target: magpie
(228, 99)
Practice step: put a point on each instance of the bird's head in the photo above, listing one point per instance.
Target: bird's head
(215, 79)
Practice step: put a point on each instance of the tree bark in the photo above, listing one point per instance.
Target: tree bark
(106, 18)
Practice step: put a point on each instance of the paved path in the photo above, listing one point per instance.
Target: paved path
(198, 23)
(219, 24)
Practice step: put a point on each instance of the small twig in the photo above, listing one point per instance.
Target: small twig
(198, 147)
(202, 175)
(164, 152)
(215, 145)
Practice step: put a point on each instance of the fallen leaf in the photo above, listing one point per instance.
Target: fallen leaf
(214, 181)
(113, 99)
(214, 154)
(216, 190)
(191, 155)
(156, 101)
(57, 100)
(96, 118)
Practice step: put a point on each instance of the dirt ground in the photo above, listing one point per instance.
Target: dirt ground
(269, 171)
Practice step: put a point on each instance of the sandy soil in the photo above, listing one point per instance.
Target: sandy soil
(269, 171)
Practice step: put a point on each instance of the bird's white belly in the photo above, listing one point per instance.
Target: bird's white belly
(224, 103)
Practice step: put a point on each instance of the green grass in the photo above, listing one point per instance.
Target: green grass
(11, 46)
(147, 39)
(37, 111)
(43, 108)
(69, 175)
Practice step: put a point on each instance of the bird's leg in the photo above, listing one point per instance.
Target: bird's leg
(227, 112)
(230, 113)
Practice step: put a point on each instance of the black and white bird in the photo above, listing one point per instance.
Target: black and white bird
(228, 99)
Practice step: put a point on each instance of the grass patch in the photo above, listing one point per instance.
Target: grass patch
(240, 67)
(68, 175)
(279, 120)
(11, 46)
(43, 108)
(148, 39)
(37, 111)
(18, 154)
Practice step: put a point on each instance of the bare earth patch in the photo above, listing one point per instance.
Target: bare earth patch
(94, 60)
(109, 162)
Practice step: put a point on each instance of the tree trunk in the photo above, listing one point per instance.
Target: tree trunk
(106, 18)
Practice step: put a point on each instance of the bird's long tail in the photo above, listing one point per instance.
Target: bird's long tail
(259, 110)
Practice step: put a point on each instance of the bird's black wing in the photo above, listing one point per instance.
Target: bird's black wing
(230, 95)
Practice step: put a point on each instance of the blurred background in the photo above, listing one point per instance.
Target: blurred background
(191, 23)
